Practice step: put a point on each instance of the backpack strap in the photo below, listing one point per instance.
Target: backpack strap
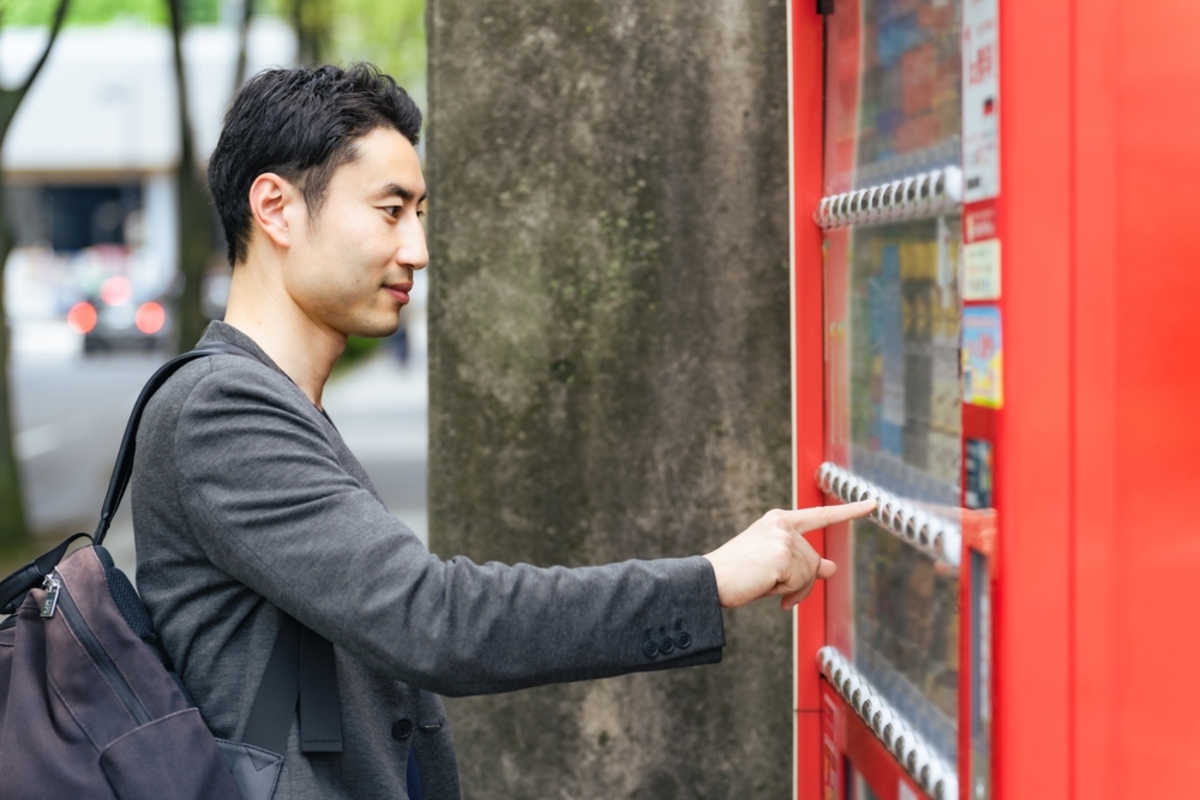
(15, 586)
(271, 714)
(123, 469)
(301, 666)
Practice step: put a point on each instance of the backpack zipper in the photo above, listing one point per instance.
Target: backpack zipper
(102, 660)
(53, 586)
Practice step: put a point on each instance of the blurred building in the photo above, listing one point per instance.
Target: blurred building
(89, 160)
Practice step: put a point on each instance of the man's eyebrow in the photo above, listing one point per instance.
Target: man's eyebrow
(404, 193)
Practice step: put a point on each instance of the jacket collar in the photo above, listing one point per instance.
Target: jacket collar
(219, 331)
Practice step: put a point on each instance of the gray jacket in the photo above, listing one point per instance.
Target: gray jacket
(247, 501)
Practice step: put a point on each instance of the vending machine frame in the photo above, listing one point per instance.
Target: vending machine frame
(1095, 443)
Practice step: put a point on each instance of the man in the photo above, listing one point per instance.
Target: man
(247, 504)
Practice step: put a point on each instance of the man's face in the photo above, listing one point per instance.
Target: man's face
(350, 268)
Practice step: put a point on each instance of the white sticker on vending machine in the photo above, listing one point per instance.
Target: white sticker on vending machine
(981, 100)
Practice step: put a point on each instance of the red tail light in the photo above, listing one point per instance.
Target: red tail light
(116, 290)
(150, 318)
(82, 317)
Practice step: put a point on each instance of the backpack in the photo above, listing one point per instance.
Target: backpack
(89, 703)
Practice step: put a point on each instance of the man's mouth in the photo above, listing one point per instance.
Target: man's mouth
(399, 291)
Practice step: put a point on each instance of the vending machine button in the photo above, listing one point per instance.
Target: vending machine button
(937, 190)
(908, 196)
(954, 184)
(910, 528)
(821, 215)
(923, 192)
(876, 204)
(923, 529)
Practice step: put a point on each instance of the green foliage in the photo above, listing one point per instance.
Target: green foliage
(100, 12)
(387, 33)
(357, 348)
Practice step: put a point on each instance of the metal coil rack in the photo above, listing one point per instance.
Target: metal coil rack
(933, 773)
(938, 537)
(922, 195)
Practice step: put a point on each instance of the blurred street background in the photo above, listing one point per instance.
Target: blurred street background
(115, 265)
(71, 410)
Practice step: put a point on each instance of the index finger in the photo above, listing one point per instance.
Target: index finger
(804, 520)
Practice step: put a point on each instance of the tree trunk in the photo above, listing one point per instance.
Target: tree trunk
(195, 215)
(14, 530)
(243, 45)
(195, 251)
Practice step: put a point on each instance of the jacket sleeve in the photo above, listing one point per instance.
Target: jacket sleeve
(273, 508)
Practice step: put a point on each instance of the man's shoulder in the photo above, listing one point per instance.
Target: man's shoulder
(222, 377)
(217, 397)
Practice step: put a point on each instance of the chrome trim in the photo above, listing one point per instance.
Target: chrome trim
(938, 537)
(935, 775)
(925, 194)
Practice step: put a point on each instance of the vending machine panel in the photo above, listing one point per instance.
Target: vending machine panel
(993, 273)
(891, 214)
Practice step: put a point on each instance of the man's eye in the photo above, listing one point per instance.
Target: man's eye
(392, 211)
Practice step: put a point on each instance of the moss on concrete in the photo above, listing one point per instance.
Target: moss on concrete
(609, 357)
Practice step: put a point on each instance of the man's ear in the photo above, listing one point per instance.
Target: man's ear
(273, 205)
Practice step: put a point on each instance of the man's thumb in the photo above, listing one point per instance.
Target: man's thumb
(826, 569)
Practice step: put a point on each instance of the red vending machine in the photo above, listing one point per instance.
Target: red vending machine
(993, 275)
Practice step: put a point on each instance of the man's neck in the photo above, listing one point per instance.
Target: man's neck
(261, 308)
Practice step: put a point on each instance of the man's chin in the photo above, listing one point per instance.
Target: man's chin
(378, 330)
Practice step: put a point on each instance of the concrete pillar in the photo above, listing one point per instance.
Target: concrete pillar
(609, 360)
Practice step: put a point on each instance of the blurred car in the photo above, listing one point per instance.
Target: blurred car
(115, 319)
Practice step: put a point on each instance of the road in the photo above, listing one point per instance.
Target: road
(71, 411)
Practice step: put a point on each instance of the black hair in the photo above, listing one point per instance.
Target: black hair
(301, 124)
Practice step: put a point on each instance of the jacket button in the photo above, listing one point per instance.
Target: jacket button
(649, 649)
(402, 729)
(683, 639)
(666, 646)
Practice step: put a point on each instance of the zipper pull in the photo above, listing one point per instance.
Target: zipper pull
(52, 585)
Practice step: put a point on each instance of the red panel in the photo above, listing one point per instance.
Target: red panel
(1136, 423)
(870, 758)
(808, 754)
(806, 56)
(807, 341)
(1097, 442)
(1033, 463)
(1098, 587)
(1157, 383)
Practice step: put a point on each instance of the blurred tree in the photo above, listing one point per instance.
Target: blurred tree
(312, 20)
(99, 12)
(195, 246)
(387, 33)
(239, 70)
(13, 530)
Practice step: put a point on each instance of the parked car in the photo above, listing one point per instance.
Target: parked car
(116, 319)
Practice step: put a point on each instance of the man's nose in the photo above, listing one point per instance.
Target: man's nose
(413, 252)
